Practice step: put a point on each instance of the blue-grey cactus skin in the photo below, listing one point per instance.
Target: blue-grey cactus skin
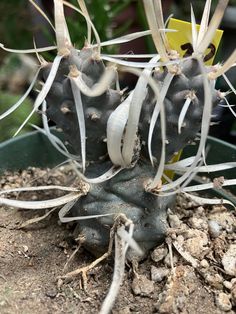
(61, 106)
(188, 81)
(124, 194)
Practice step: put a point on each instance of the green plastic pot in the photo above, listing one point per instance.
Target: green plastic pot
(34, 149)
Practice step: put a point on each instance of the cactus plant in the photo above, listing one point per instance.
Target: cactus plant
(117, 141)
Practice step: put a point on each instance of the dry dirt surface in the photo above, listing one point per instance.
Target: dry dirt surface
(200, 277)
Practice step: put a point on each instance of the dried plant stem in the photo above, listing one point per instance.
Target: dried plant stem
(204, 201)
(119, 270)
(45, 90)
(85, 269)
(36, 219)
(40, 204)
(206, 116)
(156, 91)
(100, 87)
(138, 97)
(72, 256)
(21, 100)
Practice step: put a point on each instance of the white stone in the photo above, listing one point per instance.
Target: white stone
(229, 260)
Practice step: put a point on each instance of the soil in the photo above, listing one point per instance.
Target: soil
(202, 278)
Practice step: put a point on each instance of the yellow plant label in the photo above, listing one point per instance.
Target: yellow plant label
(181, 40)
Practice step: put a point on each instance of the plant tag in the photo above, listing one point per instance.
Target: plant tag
(181, 41)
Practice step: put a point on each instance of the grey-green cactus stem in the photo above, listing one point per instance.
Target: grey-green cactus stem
(61, 106)
(123, 194)
(187, 83)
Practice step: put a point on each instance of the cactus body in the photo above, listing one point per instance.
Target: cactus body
(125, 193)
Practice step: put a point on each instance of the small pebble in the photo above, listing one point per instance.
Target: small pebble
(200, 211)
(196, 243)
(51, 292)
(174, 221)
(25, 248)
(223, 302)
(214, 228)
(215, 280)
(198, 223)
(204, 263)
(233, 281)
(229, 260)
(59, 283)
(225, 219)
(141, 285)
(228, 285)
(159, 253)
(180, 240)
(158, 273)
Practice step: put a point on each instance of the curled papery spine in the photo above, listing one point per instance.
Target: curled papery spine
(138, 97)
(45, 90)
(88, 21)
(62, 33)
(205, 122)
(115, 131)
(123, 123)
(37, 7)
(80, 115)
(204, 21)
(214, 24)
(99, 88)
(155, 29)
(86, 14)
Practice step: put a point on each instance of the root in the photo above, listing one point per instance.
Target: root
(119, 270)
(36, 219)
(123, 240)
(84, 270)
(80, 242)
(186, 255)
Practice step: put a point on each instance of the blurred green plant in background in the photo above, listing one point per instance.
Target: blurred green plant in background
(14, 24)
(103, 14)
(10, 124)
(14, 33)
(16, 72)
